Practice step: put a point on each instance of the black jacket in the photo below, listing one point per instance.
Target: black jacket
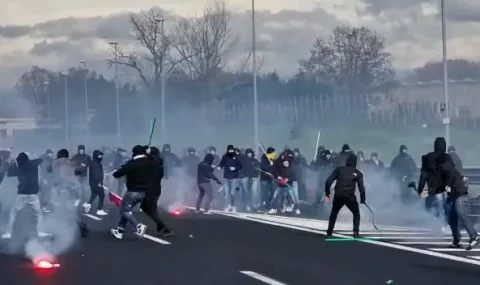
(347, 177)
(453, 179)
(26, 171)
(403, 165)
(250, 164)
(205, 170)
(140, 173)
(230, 161)
(82, 162)
(95, 170)
(280, 171)
(430, 174)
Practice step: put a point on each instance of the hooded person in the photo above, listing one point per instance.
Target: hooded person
(26, 172)
(301, 166)
(95, 180)
(247, 174)
(455, 158)
(403, 168)
(231, 165)
(82, 162)
(347, 179)
(140, 173)
(283, 171)
(267, 187)
(170, 161)
(374, 164)
(205, 174)
(149, 204)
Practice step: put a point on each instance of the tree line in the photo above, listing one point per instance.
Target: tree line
(191, 58)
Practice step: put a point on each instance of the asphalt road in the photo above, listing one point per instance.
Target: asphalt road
(219, 249)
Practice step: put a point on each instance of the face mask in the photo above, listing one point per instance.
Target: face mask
(328, 156)
(99, 157)
(249, 154)
(167, 150)
(192, 153)
(286, 163)
(81, 151)
(404, 150)
(296, 154)
(231, 151)
(212, 152)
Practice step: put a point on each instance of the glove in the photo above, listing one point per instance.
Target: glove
(282, 181)
(219, 182)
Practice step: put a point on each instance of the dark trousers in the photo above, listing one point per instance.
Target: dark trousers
(204, 189)
(458, 211)
(149, 207)
(337, 205)
(97, 191)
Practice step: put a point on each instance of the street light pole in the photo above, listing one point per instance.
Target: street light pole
(117, 95)
(163, 116)
(46, 83)
(86, 97)
(67, 120)
(254, 63)
(446, 119)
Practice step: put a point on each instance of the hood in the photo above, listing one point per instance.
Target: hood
(138, 150)
(451, 149)
(208, 159)
(249, 150)
(97, 155)
(166, 148)
(191, 151)
(230, 147)
(345, 148)
(154, 151)
(63, 153)
(22, 159)
(352, 160)
(402, 149)
(212, 148)
(81, 147)
(440, 145)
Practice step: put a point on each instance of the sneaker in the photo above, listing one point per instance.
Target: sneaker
(272, 211)
(7, 235)
(141, 228)
(77, 202)
(101, 213)
(165, 233)
(198, 211)
(234, 209)
(84, 204)
(117, 234)
(228, 209)
(45, 210)
(329, 233)
(289, 209)
(87, 207)
(455, 245)
(208, 212)
(473, 243)
(356, 234)
(297, 211)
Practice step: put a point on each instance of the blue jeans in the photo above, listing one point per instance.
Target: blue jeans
(433, 204)
(246, 185)
(230, 186)
(294, 193)
(266, 193)
(282, 192)
(458, 213)
(130, 200)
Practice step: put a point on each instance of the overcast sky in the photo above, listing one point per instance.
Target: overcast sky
(57, 34)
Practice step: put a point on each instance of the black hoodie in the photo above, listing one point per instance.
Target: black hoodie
(205, 170)
(95, 171)
(26, 171)
(347, 177)
(403, 164)
(250, 164)
(230, 163)
(81, 161)
(453, 179)
(430, 174)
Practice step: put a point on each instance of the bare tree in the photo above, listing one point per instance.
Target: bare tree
(353, 59)
(155, 58)
(33, 86)
(205, 41)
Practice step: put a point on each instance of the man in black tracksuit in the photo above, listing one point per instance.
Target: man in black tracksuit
(140, 172)
(204, 176)
(231, 165)
(403, 168)
(149, 203)
(82, 162)
(458, 204)
(347, 177)
(95, 180)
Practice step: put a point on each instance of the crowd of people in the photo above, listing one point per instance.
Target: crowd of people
(269, 183)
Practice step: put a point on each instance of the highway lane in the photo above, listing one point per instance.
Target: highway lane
(216, 249)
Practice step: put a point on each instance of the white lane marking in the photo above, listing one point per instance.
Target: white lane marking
(476, 257)
(155, 239)
(374, 242)
(424, 242)
(454, 249)
(262, 278)
(385, 233)
(416, 237)
(92, 217)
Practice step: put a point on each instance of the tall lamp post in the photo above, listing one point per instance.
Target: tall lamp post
(446, 119)
(117, 95)
(86, 96)
(254, 64)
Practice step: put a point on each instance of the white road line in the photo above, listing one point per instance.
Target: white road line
(475, 257)
(424, 242)
(413, 238)
(92, 217)
(380, 243)
(262, 278)
(155, 239)
(385, 233)
(454, 249)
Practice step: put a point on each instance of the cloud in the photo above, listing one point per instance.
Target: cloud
(411, 27)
